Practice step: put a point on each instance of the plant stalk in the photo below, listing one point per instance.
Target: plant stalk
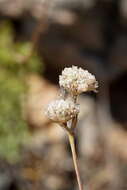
(74, 155)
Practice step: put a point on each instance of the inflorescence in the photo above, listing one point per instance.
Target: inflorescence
(75, 81)
(62, 110)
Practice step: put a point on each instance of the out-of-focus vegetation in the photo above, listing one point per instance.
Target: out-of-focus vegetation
(13, 128)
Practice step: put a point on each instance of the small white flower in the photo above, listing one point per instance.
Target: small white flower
(62, 110)
(76, 80)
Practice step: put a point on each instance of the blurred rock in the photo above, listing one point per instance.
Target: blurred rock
(40, 93)
(47, 163)
(118, 142)
(123, 9)
(88, 129)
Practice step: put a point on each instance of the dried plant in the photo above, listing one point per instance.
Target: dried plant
(64, 111)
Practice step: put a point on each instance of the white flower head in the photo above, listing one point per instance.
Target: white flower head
(76, 80)
(62, 110)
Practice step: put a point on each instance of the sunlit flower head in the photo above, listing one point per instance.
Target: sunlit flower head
(62, 110)
(76, 80)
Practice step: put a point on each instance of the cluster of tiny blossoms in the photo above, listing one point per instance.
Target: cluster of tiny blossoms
(62, 110)
(75, 81)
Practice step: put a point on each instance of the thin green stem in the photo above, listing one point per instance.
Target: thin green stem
(74, 155)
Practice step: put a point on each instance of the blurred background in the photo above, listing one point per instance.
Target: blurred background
(38, 38)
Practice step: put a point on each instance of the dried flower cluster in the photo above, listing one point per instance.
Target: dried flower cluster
(75, 81)
(62, 110)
